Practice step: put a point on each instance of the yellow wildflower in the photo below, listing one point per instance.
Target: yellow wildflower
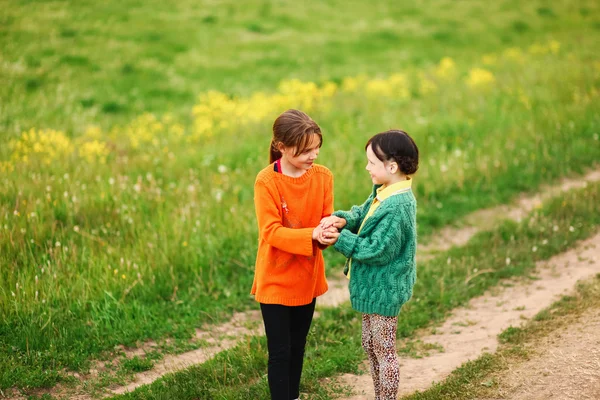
(43, 145)
(446, 69)
(399, 85)
(144, 130)
(94, 151)
(93, 132)
(554, 46)
(300, 94)
(214, 108)
(6, 166)
(514, 54)
(329, 89)
(378, 87)
(395, 86)
(353, 84)
(479, 77)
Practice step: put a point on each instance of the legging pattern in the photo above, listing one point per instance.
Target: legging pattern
(379, 342)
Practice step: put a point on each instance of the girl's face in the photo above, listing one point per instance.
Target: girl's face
(305, 160)
(377, 168)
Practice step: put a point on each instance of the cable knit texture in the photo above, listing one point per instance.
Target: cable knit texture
(383, 254)
(289, 265)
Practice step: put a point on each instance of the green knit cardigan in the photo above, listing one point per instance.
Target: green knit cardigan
(383, 254)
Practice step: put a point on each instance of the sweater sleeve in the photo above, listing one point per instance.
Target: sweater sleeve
(327, 206)
(376, 249)
(270, 227)
(355, 215)
(328, 199)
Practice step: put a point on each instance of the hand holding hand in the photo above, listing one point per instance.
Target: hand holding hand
(333, 221)
(317, 232)
(328, 236)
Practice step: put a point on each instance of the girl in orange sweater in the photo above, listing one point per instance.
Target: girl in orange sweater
(291, 196)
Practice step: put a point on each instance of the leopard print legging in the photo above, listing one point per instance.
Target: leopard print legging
(379, 341)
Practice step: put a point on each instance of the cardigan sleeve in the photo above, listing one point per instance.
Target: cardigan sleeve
(379, 247)
(270, 227)
(355, 215)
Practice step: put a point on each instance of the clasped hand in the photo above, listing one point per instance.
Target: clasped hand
(334, 221)
(327, 231)
(327, 236)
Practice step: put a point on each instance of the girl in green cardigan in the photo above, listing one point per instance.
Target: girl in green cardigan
(379, 240)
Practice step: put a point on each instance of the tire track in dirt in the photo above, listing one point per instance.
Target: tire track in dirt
(219, 338)
(472, 330)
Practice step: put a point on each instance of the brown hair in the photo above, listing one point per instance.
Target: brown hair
(293, 128)
(396, 145)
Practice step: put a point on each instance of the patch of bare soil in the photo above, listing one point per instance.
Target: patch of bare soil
(566, 365)
(472, 330)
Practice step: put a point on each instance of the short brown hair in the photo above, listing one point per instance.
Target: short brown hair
(293, 128)
(396, 145)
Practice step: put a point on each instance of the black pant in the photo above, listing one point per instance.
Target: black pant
(286, 328)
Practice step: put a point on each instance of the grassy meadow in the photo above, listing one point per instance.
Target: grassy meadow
(69, 64)
(131, 133)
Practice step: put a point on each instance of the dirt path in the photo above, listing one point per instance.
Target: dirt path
(566, 365)
(483, 219)
(472, 330)
(219, 338)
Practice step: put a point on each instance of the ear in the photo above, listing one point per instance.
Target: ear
(393, 167)
(279, 146)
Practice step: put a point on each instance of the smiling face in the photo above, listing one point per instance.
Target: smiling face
(303, 160)
(380, 175)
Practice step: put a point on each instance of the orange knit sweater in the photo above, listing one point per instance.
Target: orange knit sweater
(289, 265)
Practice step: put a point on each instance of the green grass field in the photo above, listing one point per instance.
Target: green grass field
(131, 133)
